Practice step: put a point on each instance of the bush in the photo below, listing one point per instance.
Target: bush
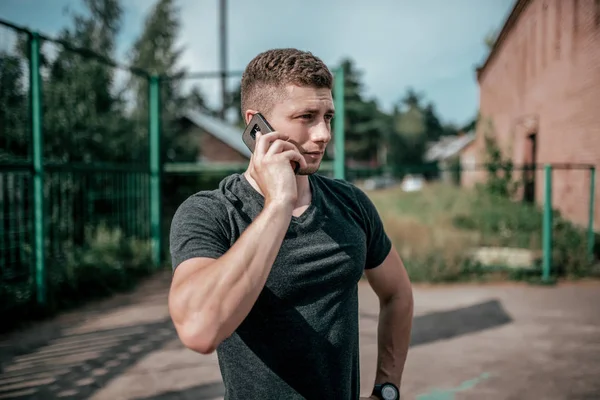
(502, 222)
(431, 253)
(108, 263)
(436, 229)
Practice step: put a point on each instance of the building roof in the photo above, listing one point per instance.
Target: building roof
(222, 130)
(448, 146)
(511, 20)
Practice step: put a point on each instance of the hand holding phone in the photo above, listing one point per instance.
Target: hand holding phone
(275, 162)
(258, 123)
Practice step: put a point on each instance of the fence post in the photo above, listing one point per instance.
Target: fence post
(591, 217)
(547, 223)
(155, 173)
(339, 139)
(35, 96)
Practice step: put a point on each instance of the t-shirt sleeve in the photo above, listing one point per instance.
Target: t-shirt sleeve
(197, 230)
(378, 242)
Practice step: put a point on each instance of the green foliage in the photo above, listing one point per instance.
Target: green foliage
(503, 222)
(410, 133)
(436, 230)
(415, 124)
(90, 116)
(365, 124)
(108, 263)
(155, 51)
(84, 118)
(499, 168)
(14, 117)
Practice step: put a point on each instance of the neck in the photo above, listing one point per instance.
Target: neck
(302, 185)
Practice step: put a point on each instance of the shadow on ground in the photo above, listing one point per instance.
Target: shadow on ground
(426, 329)
(77, 365)
(449, 324)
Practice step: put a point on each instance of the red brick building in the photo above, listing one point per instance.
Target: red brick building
(540, 89)
(218, 141)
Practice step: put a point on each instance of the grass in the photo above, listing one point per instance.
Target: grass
(435, 229)
(420, 224)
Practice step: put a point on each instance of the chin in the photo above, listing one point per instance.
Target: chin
(311, 169)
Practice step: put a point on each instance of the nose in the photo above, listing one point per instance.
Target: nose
(321, 132)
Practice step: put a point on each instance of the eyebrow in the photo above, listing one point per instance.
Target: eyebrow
(316, 111)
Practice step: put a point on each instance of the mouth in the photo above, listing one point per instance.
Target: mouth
(314, 153)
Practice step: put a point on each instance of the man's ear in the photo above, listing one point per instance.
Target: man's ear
(248, 115)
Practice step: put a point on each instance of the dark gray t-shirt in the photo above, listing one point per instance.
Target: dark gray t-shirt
(300, 340)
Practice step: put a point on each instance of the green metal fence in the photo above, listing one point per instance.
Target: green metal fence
(80, 164)
(74, 162)
(81, 167)
(534, 219)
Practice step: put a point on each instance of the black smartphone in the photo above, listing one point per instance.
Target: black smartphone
(256, 124)
(259, 123)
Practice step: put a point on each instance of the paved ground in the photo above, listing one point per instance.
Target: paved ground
(505, 341)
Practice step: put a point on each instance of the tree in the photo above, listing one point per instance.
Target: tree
(411, 123)
(155, 51)
(365, 124)
(14, 126)
(433, 126)
(410, 130)
(83, 118)
(196, 101)
(234, 101)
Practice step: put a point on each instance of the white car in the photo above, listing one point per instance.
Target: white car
(412, 183)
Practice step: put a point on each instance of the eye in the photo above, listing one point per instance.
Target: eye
(329, 117)
(306, 116)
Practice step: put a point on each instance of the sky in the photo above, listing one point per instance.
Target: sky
(432, 46)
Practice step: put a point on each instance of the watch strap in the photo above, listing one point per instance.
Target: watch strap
(377, 390)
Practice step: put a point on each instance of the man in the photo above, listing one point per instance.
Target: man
(266, 266)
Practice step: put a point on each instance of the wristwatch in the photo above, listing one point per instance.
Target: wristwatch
(386, 391)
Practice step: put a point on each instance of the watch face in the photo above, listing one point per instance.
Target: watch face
(388, 392)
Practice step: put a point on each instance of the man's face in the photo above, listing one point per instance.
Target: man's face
(304, 114)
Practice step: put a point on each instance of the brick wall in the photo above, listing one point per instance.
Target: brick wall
(544, 78)
(470, 160)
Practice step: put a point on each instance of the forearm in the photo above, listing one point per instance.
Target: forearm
(212, 302)
(393, 337)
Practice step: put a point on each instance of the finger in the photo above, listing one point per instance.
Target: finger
(264, 141)
(294, 155)
(280, 146)
(302, 162)
(298, 157)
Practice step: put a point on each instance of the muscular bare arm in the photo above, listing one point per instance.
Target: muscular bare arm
(209, 298)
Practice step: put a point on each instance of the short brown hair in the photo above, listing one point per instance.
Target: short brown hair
(273, 69)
